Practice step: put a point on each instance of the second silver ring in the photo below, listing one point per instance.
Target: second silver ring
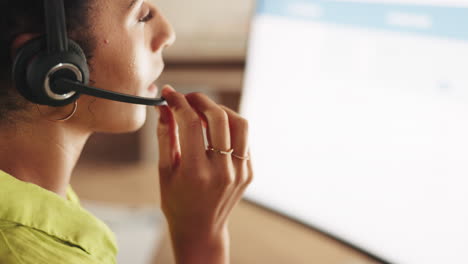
(227, 152)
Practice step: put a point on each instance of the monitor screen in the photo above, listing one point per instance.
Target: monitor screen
(359, 122)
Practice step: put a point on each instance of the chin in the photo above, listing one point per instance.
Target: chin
(129, 122)
(135, 122)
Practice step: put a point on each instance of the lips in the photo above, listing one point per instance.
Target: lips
(153, 88)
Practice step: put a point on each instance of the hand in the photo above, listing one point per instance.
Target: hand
(200, 188)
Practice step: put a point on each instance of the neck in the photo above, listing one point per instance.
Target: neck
(42, 152)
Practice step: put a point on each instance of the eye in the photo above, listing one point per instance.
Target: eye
(147, 18)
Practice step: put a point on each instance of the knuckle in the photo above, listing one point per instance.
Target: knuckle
(197, 163)
(174, 96)
(240, 123)
(230, 179)
(194, 122)
(177, 96)
(240, 180)
(244, 181)
(229, 110)
(194, 165)
(242, 174)
(196, 170)
(197, 96)
(204, 181)
(248, 179)
(225, 178)
(243, 125)
(218, 116)
(191, 118)
(204, 176)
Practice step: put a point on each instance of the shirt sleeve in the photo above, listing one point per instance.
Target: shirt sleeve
(23, 245)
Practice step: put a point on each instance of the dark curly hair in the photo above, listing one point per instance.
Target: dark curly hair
(27, 16)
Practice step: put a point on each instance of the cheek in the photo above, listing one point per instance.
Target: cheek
(116, 72)
(144, 64)
(113, 117)
(119, 66)
(118, 75)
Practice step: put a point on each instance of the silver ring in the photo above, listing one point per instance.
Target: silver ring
(60, 66)
(240, 157)
(223, 152)
(228, 152)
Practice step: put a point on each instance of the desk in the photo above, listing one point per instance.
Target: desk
(257, 236)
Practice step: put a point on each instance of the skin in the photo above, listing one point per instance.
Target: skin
(199, 188)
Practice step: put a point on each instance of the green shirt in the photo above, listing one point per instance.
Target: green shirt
(40, 227)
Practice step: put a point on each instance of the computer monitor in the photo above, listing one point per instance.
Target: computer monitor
(359, 122)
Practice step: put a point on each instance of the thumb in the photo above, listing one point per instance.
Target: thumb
(166, 140)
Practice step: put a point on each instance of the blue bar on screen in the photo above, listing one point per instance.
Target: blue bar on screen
(439, 21)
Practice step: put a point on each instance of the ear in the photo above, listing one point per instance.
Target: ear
(19, 41)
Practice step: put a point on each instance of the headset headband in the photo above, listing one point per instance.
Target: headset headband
(56, 29)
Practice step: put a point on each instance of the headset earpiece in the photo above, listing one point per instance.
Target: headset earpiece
(34, 71)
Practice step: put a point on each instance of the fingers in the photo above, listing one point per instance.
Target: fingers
(245, 178)
(238, 132)
(167, 140)
(239, 128)
(225, 129)
(217, 121)
(225, 177)
(190, 128)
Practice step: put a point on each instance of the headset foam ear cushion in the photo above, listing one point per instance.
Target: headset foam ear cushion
(82, 62)
(33, 64)
(20, 66)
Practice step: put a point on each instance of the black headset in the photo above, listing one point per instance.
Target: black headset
(53, 70)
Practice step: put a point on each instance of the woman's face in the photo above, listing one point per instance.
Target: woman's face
(131, 36)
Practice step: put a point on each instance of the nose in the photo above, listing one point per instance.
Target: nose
(171, 36)
(165, 35)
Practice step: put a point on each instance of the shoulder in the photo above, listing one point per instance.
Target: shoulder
(24, 245)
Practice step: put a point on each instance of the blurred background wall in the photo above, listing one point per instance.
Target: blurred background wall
(208, 30)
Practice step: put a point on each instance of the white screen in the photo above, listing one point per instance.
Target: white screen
(359, 122)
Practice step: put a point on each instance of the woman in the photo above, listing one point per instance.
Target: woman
(40, 218)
